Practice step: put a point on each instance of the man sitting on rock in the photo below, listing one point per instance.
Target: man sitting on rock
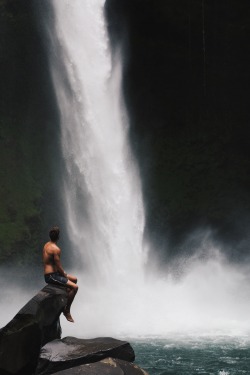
(53, 270)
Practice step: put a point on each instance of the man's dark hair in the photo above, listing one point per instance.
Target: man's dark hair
(54, 233)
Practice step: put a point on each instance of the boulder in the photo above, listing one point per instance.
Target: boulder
(33, 326)
(108, 366)
(69, 352)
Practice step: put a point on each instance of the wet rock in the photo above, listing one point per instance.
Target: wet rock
(34, 325)
(69, 352)
(108, 366)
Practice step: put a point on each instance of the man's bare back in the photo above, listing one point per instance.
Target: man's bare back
(50, 251)
(54, 272)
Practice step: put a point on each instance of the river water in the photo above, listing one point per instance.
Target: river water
(187, 355)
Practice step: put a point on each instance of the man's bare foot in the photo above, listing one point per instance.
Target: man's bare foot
(68, 316)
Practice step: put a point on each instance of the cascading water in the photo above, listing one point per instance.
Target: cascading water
(103, 202)
(103, 199)
(102, 190)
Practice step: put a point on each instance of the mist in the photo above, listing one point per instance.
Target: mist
(210, 299)
(204, 295)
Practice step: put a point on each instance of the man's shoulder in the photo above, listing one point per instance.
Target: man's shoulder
(52, 248)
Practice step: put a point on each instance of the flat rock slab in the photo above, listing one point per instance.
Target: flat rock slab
(108, 366)
(33, 326)
(69, 352)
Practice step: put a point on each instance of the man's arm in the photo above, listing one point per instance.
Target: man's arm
(58, 264)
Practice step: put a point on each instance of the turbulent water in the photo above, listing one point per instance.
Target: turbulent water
(194, 355)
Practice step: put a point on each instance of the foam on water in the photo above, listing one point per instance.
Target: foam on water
(186, 355)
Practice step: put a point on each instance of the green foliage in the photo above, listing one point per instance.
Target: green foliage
(25, 176)
(20, 192)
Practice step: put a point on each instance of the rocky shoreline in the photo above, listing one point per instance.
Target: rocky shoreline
(31, 343)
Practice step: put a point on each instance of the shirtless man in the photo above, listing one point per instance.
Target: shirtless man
(53, 270)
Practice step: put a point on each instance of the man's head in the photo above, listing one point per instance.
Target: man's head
(54, 234)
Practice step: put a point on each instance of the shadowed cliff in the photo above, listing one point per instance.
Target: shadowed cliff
(186, 83)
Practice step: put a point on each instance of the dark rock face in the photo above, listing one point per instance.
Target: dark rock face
(108, 366)
(34, 325)
(186, 83)
(70, 352)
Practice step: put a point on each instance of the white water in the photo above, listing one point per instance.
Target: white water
(104, 210)
(102, 191)
(103, 197)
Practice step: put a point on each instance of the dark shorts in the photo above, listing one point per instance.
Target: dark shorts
(55, 278)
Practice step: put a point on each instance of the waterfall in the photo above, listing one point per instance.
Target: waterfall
(102, 192)
(101, 185)
(103, 202)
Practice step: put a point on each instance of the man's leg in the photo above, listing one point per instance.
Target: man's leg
(73, 288)
(72, 278)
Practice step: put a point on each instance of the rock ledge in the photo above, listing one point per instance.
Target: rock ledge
(69, 352)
